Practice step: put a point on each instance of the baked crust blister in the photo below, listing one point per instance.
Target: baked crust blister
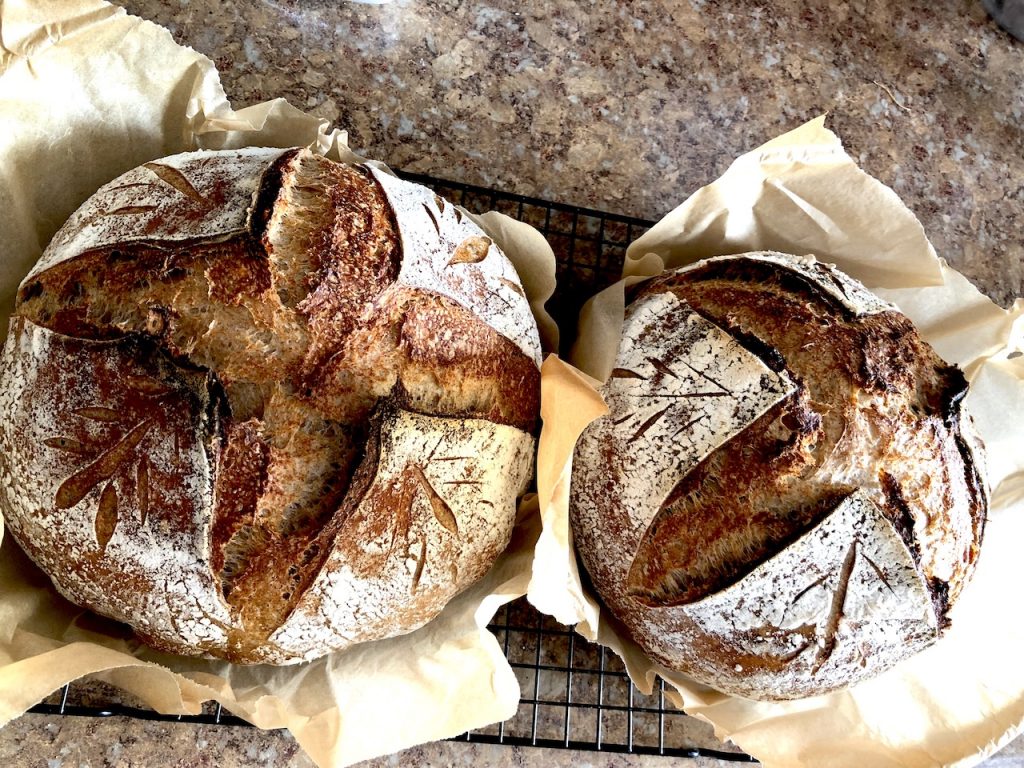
(255, 409)
(786, 496)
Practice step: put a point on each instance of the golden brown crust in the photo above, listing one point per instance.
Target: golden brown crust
(874, 388)
(289, 310)
(869, 424)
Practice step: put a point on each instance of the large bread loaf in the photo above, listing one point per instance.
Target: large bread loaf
(786, 496)
(260, 405)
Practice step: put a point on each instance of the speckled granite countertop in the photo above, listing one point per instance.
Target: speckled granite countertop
(622, 106)
(630, 106)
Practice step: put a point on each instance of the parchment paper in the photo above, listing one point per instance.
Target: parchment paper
(961, 699)
(88, 92)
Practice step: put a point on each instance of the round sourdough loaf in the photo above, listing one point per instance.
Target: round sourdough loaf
(260, 405)
(786, 495)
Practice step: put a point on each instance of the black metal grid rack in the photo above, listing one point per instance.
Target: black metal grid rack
(575, 695)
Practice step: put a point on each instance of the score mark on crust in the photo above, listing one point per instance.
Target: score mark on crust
(472, 250)
(104, 465)
(175, 178)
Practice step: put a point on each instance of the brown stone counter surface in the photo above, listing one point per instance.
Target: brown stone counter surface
(625, 107)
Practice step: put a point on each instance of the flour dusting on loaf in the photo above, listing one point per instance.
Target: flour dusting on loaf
(250, 408)
(419, 530)
(819, 504)
(191, 196)
(162, 556)
(681, 387)
(445, 252)
(845, 595)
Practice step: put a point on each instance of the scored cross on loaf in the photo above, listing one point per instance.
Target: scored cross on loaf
(261, 405)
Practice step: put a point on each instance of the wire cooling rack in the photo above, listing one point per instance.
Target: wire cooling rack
(575, 695)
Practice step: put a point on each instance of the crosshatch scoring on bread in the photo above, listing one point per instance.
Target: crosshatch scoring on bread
(786, 495)
(207, 375)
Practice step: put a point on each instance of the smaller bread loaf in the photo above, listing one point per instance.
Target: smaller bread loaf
(786, 496)
(260, 405)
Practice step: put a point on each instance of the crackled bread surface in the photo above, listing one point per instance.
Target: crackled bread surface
(786, 496)
(260, 405)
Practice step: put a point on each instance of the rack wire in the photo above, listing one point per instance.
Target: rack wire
(575, 695)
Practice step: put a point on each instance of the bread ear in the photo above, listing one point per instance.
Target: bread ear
(437, 509)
